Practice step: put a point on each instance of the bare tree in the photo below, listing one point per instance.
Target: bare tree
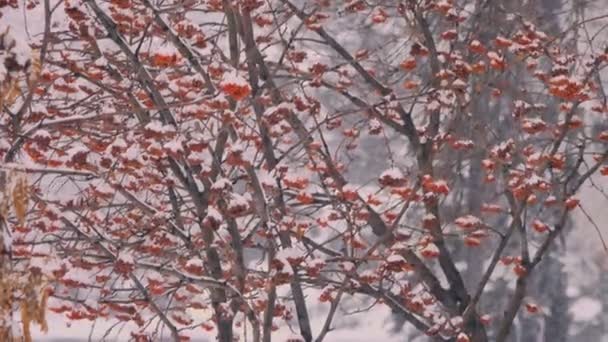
(226, 168)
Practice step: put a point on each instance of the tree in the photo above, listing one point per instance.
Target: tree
(190, 162)
(22, 288)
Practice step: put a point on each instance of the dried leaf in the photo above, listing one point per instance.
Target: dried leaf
(20, 199)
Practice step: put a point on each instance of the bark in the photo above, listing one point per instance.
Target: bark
(557, 321)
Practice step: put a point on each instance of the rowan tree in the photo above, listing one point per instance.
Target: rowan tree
(190, 163)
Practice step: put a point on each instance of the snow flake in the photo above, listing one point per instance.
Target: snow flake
(347, 266)
(395, 258)
(126, 258)
(221, 184)
(194, 262)
(77, 276)
(468, 222)
(154, 277)
(235, 85)
(430, 251)
(238, 204)
(459, 84)
(290, 254)
(585, 309)
(462, 337)
(174, 146)
(213, 214)
(77, 150)
(294, 338)
(119, 143)
(41, 134)
(534, 180)
(154, 126)
(392, 177)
